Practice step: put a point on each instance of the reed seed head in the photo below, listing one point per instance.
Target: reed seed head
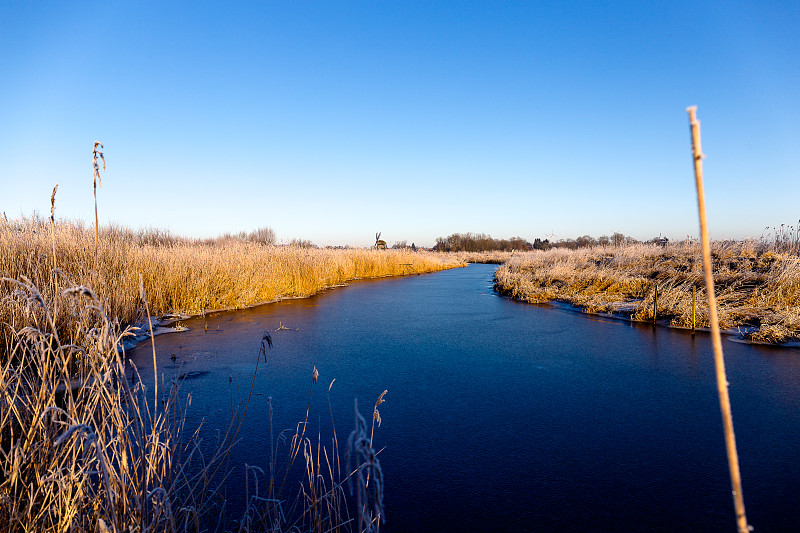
(53, 204)
(375, 414)
(380, 398)
(95, 154)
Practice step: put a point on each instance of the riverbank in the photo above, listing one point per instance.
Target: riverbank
(179, 276)
(83, 437)
(758, 290)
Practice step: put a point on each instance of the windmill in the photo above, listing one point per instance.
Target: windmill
(379, 243)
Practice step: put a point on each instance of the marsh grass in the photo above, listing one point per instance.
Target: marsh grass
(82, 449)
(179, 276)
(758, 287)
(84, 446)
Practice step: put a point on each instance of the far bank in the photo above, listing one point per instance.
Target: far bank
(758, 290)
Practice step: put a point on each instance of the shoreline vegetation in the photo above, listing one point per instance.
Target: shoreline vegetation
(85, 446)
(180, 276)
(757, 284)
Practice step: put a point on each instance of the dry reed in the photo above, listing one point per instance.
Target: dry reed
(96, 178)
(181, 276)
(716, 338)
(83, 449)
(758, 289)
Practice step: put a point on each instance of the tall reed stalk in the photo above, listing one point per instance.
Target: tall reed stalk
(55, 264)
(719, 361)
(96, 175)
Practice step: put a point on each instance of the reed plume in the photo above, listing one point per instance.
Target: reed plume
(96, 179)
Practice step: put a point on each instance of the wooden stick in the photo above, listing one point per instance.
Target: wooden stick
(719, 362)
(655, 305)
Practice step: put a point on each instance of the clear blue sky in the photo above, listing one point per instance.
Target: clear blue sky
(330, 121)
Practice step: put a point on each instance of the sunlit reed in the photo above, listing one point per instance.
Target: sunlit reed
(758, 289)
(183, 276)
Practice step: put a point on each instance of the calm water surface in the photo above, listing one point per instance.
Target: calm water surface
(507, 416)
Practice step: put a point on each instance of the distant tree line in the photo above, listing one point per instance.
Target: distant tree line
(479, 242)
(586, 241)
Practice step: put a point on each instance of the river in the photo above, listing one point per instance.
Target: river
(507, 416)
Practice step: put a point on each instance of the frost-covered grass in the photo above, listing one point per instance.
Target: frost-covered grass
(180, 276)
(85, 447)
(756, 285)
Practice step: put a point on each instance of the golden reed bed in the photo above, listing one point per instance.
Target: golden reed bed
(85, 447)
(757, 289)
(180, 276)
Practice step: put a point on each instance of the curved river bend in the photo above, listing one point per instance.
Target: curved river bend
(507, 416)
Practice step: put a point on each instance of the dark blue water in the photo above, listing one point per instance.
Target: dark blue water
(507, 416)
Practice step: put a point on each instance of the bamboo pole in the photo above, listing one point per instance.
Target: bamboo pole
(719, 362)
